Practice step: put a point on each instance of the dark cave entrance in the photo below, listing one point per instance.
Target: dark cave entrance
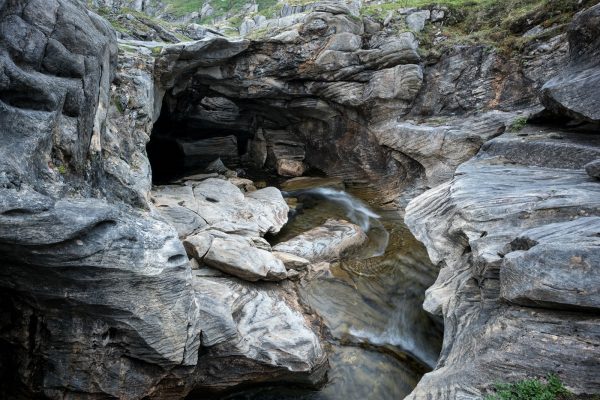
(185, 142)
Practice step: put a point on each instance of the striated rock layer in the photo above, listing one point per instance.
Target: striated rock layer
(515, 233)
(517, 244)
(99, 297)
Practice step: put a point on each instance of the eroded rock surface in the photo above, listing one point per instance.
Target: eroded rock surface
(575, 91)
(329, 242)
(95, 279)
(494, 230)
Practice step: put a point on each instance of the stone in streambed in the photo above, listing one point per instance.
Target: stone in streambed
(238, 258)
(290, 167)
(328, 242)
(292, 261)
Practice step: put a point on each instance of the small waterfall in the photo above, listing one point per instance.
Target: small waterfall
(357, 212)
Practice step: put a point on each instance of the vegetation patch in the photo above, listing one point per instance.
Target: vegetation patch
(498, 24)
(531, 389)
(518, 124)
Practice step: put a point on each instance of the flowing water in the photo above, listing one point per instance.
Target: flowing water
(379, 339)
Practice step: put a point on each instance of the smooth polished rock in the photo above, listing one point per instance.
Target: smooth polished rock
(221, 205)
(556, 266)
(237, 257)
(292, 261)
(290, 168)
(270, 339)
(197, 245)
(329, 242)
(514, 233)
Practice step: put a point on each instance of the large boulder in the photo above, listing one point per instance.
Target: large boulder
(328, 242)
(238, 258)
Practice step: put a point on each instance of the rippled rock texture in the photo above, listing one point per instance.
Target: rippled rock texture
(100, 298)
(79, 243)
(516, 238)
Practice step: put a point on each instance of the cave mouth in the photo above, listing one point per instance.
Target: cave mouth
(263, 140)
(182, 145)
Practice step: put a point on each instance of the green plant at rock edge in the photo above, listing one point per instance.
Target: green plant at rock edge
(530, 389)
(518, 124)
(62, 169)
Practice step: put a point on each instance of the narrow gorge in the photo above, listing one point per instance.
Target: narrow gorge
(339, 200)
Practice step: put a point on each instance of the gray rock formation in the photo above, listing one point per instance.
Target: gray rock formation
(71, 219)
(575, 91)
(495, 230)
(92, 274)
(96, 281)
(329, 242)
(239, 258)
(593, 169)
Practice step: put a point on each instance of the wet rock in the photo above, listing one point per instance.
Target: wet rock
(238, 258)
(290, 167)
(309, 182)
(329, 242)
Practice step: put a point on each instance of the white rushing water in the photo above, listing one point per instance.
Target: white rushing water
(357, 212)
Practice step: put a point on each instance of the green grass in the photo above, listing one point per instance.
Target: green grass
(530, 389)
(518, 124)
(180, 8)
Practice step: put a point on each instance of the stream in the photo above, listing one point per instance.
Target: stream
(379, 339)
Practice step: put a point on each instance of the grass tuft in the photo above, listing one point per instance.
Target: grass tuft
(530, 389)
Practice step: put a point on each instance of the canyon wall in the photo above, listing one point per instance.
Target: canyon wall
(98, 296)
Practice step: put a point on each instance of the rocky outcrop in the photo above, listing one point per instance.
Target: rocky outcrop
(92, 274)
(575, 91)
(96, 267)
(76, 235)
(503, 278)
(514, 233)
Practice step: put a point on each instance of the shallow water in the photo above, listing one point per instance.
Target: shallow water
(380, 340)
